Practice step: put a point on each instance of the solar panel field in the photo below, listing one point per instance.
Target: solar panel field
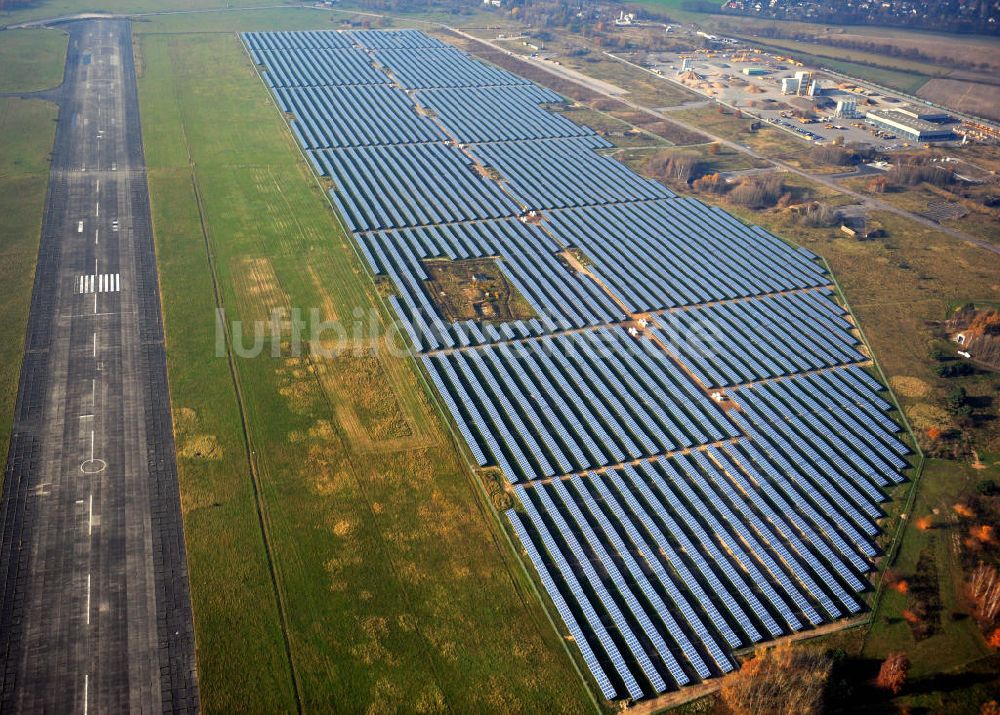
(677, 400)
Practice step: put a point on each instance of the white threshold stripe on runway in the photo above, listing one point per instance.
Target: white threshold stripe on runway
(99, 283)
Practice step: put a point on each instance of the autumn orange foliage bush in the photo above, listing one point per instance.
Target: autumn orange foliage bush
(986, 323)
(963, 510)
(983, 533)
(892, 674)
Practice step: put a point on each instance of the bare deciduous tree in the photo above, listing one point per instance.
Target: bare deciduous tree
(780, 681)
(674, 166)
(758, 192)
(984, 586)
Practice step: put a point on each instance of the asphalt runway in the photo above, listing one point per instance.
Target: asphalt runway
(95, 612)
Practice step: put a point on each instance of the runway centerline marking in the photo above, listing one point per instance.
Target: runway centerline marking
(88, 599)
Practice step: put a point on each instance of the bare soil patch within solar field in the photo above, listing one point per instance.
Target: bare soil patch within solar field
(475, 289)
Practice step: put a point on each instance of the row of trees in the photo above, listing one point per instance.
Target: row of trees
(886, 49)
(752, 192)
(799, 680)
(674, 167)
(758, 192)
(941, 15)
(780, 681)
(838, 155)
(984, 586)
(916, 170)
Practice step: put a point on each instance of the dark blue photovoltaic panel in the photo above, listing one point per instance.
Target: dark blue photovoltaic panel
(442, 67)
(664, 254)
(743, 341)
(548, 174)
(357, 115)
(318, 68)
(495, 114)
(409, 185)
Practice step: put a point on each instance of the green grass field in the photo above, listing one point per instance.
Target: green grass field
(953, 670)
(882, 70)
(245, 19)
(958, 642)
(767, 140)
(31, 59)
(27, 128)
(42, 9)
(397, 585)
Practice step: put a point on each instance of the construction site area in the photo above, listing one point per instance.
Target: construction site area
(815, 105)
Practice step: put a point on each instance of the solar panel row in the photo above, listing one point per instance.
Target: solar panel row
(745, 341)
(676, 516)
(358, 115)
(664, 254)
(317, 68)
(549, 174)
(503, 113)
(565, 612)
(582, 601)
(409, 185)
(571, 403)
(437, 68)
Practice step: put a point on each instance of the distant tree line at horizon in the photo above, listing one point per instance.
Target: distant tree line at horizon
(959, 16)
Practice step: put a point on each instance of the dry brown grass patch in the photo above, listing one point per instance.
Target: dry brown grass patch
(258, 290)
(329, 310)
(924, 416)
(200, 446)
(908, 386)
(192, 444)
(366, 405)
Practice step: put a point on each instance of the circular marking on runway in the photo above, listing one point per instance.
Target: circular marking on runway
(93, 466)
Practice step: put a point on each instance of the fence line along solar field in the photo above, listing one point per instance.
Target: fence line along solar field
(681, 406)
